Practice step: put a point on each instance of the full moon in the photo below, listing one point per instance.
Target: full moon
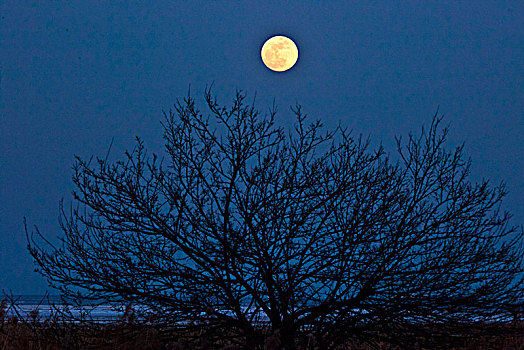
(279, 53)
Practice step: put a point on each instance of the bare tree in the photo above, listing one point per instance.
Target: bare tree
(241, 221)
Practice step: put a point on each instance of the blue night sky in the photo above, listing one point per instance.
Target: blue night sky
(77, 74)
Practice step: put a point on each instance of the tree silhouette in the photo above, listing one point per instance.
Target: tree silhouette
(241, 222)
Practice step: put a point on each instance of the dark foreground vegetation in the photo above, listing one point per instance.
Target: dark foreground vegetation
(22, 336)
(34, 332)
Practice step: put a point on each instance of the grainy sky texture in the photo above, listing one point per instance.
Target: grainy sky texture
(76, 74)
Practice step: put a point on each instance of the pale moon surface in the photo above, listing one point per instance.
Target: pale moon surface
(279, 53)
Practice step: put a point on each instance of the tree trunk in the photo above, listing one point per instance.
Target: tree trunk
(287, 337)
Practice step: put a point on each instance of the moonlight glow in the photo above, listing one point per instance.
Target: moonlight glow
(279, 53)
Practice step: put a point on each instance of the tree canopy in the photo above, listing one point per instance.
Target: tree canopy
(240, 222)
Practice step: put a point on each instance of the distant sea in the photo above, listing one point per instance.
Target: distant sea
(95, 311)
(40, 299)
(27, 303)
